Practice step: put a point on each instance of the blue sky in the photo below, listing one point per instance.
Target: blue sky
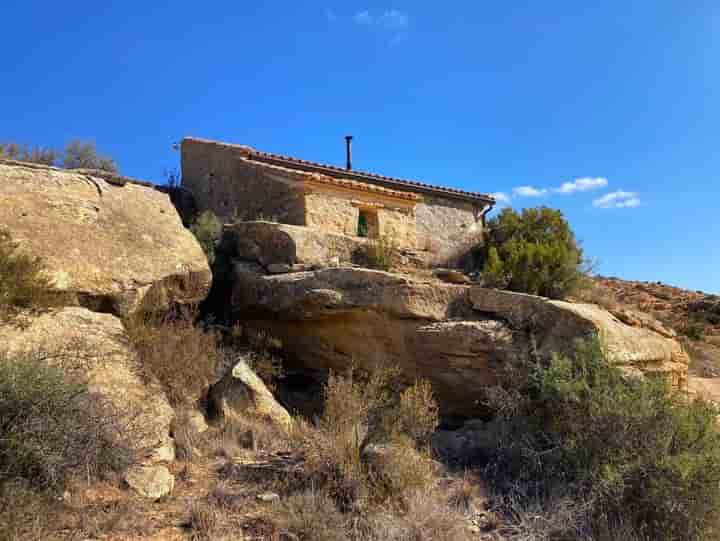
(607, 110)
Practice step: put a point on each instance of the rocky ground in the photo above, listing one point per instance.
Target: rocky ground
(115, 247)
(693, 315)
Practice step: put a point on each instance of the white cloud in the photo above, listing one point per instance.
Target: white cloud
(363, 17)
(391, 19)
(529, 191)
(394, 20)
(331, 15)
(583, 184)
(618, 200)
(502, 198)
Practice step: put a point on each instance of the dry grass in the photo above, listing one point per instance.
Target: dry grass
(51, 427)
(311, 516)
(183, 357)
(205, 522)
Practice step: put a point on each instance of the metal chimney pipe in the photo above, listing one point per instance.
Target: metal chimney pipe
(348, 151)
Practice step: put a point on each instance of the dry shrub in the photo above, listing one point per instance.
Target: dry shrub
(51, 427)
(398, 470)
(263, 356)
(205, 522)
(595, 293)
(26, 514)
(23, 286)
(311, 516)
(183, 357)
(186, 438)
(426, 518)
(363, 409)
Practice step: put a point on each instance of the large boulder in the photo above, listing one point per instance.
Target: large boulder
(454, 335)
(108, 241)
(95, 347)
(557, 324)
(270, 243)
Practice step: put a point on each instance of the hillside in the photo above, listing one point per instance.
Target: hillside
(693, 315)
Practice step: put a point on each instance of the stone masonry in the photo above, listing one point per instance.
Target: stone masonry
(239, 183)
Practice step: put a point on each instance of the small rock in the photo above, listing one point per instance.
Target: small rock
(152, 482)
(268, 497)
(451, 276)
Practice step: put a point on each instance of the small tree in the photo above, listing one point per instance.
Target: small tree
(83, 155)
(14, 151)
(532, 252)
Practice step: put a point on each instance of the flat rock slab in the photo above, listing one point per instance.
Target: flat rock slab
(456, 336)
(110, 244)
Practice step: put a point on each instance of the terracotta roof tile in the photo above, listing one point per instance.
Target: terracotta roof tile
(362, 176)
(342, 182)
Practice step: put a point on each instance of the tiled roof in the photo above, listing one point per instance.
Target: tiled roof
(341, 182)
(362, 176)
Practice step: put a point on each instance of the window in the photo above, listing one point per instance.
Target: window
(367, 224)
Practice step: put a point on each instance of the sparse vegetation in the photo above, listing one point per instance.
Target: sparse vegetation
(179, 354)
(207, 229)
(633, 454)
(77, 154)
(23, 286)
(15, 151)
(531, 252)
(83, 155)
(51, 426)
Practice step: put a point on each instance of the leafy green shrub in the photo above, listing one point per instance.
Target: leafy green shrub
(50, 426)
(182, 356)
(23, 286)
(634, 451)
(207, 229)
(533, 252)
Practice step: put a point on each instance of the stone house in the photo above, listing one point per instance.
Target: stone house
(240, 183)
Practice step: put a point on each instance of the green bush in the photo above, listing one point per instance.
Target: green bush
(532, 252)
(637, 453)
(23, 286)
(207, 229)
(50, 426)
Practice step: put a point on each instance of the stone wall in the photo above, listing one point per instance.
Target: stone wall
(337, 211)
(223, 182)
(447, 227)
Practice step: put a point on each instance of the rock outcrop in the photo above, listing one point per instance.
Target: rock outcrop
(241, 393)
(454, 335)
(95, 347)
(108, 241)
